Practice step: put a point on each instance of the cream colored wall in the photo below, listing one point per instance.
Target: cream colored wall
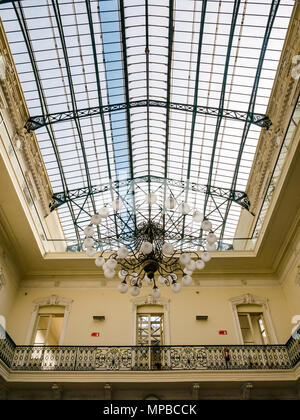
(214, 302)
(292, 292)
(117, 309)
(290, 277)
(8, 291)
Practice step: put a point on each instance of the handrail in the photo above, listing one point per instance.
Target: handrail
(134, 358)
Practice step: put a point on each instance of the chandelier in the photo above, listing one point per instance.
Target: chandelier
(152, 257)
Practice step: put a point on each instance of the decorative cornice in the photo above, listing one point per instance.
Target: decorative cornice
(53, 300)
(284, 94)
(2, 67)
(247, 299)
(91, 280)
(152, 376)
(150, 300)
(12, 99)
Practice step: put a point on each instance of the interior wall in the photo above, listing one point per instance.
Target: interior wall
(9, 283)
(117, 328)
(290, 279)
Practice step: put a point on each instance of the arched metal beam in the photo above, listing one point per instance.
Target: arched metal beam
(43, 120)
(239, 197)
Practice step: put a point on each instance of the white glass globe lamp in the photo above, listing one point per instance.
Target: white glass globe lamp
(170, 203)
(211, 238)
(104, 212)
(109, 274)
(161, 280)
(186, 271)
(211, 247)
(90, 252)
(187, 280)
(135, 291)
(89, 231)
(197, 217)
(167, 249)
(155, 293)
(147, 279)
(123, 287)
(117, 204)
(191, 265)
(206, 256)
(123, 252)
(88, 242)
(99, 261)
(184, 258)
(146, 247)
(184, 208)
(151, 198)
(175, 287)
(111, 263)
(96, 219)
(206, 225)
(200, 264)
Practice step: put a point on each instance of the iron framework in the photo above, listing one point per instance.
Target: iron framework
(156, 90)
(39, 121)
(239, 197)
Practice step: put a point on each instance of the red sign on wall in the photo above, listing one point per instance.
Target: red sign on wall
(223, 332)
(95, 334)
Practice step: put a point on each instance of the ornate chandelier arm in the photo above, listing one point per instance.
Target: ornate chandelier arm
(129, 266)
(172, 269)
(134, 280)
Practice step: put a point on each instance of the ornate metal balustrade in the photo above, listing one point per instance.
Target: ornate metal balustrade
(7, 347)
(293, 347)
(131, 358)
(137, 358)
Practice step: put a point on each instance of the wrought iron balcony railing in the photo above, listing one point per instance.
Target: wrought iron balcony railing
(143, 358)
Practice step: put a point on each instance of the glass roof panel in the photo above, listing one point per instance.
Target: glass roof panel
(149, 81)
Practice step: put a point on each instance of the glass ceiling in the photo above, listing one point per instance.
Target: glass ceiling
(134, 96)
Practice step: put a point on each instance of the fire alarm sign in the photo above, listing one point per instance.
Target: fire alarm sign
(223, 332)
(95, 334)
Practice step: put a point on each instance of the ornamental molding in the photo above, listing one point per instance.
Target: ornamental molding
(53, 300)
(150, 300)
(248, 299)
(13, 101)
(284, 94)
(36, 176)
(2, 67)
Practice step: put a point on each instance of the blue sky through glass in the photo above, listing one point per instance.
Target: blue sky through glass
(111, 36)
(112, 52)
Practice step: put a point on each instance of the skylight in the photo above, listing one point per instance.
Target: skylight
(159, 76)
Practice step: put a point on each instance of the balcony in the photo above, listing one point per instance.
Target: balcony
(148, 358)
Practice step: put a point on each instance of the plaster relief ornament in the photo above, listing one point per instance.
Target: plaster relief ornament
(2, 67)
